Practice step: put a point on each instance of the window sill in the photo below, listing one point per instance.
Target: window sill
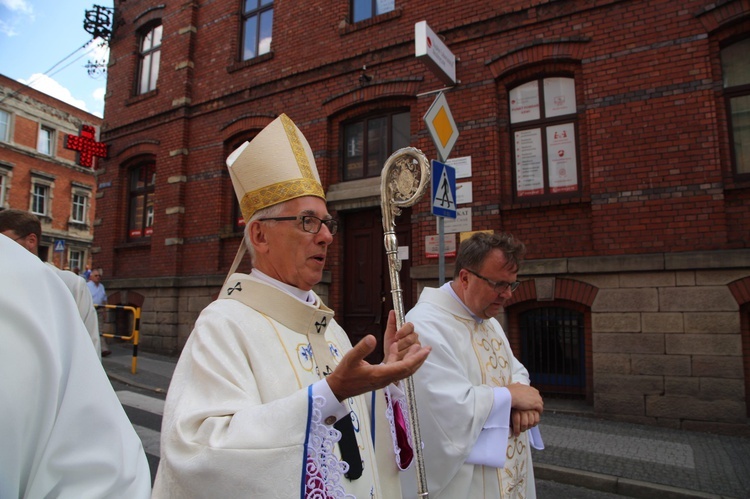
(72, 224)
(546, 201)
(42, 217)
(139, 98)
(144, 243)
(250, 62)
(737, 182)
(366, 23)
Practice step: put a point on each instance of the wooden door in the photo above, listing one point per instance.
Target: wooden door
(367, 287)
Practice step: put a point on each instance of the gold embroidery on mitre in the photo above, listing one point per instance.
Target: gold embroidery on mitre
(306, 185)
(277, 193)
(297, 147)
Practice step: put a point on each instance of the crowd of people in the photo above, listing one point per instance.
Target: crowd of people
(269, 398)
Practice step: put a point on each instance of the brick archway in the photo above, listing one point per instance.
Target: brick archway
(740, 289)
(565, 293)
(564, 289)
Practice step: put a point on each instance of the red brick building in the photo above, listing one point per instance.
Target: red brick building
(611, 136)
(38, 173)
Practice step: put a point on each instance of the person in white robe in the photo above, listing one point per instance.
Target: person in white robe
(269, 398)
(26, 229)
(477, 412)
(64, 433)
(81, 295)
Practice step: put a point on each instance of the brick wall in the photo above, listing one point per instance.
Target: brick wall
(29, 110)
(653, 148)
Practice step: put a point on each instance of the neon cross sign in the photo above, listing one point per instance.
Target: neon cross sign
(87, 146)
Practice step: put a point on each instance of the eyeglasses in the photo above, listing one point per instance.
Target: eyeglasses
(497, 287)
(310, 223)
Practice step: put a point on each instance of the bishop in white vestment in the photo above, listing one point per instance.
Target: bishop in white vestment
(269, 399)
(243, 403)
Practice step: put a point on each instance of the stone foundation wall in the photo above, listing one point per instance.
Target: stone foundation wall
(666, 333)
(172, 305)
(667, 349)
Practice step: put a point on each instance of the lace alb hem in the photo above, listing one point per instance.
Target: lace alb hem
(323, 470)
(399, 404)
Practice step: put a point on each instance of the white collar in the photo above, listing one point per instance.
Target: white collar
(449, 289)
(303, 296)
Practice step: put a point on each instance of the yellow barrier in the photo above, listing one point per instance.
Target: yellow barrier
(133, 334)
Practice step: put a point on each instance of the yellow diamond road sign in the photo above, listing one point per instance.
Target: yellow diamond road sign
(443, 129)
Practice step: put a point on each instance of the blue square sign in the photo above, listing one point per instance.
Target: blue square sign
(443, 190)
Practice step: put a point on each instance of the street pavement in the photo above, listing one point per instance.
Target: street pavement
(584, 457)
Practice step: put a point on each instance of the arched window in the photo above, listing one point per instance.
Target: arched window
(735, 66)
(369, 141)
(149, 52)
(142, 179)
(544, 141)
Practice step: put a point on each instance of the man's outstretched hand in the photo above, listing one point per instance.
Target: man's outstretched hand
(403, 356)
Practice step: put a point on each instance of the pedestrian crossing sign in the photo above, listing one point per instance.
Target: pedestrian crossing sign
(59, 245)
(443, 190)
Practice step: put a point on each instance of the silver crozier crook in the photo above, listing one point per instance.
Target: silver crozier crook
(405, 177)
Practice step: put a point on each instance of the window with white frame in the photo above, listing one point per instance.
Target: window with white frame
(45, 143)
(40, 199)
(544, 141)
(5, 176)
(4, 126)
(41, 193)
(150, 55)
(76, 258)
(257, 28)
(365, 9)
(79, 205)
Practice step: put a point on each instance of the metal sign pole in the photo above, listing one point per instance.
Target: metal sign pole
(441, 240)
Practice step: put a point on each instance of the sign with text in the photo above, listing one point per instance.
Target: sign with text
(462, 165)
(462, 222)
(529, 163)
(432, 246)
(464, 194)
(429, 48)
(561, 154)
(524, 102)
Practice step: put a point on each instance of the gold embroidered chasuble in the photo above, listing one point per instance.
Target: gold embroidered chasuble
(240, 408)
(454, 392)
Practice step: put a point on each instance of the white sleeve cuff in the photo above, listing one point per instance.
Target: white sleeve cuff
(535, 438)
(489, 449)
(332, 410)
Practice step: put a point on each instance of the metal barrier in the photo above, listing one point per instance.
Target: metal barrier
(133, 334)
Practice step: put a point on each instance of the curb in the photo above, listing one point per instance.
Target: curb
(128, 381)
(614, 484)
